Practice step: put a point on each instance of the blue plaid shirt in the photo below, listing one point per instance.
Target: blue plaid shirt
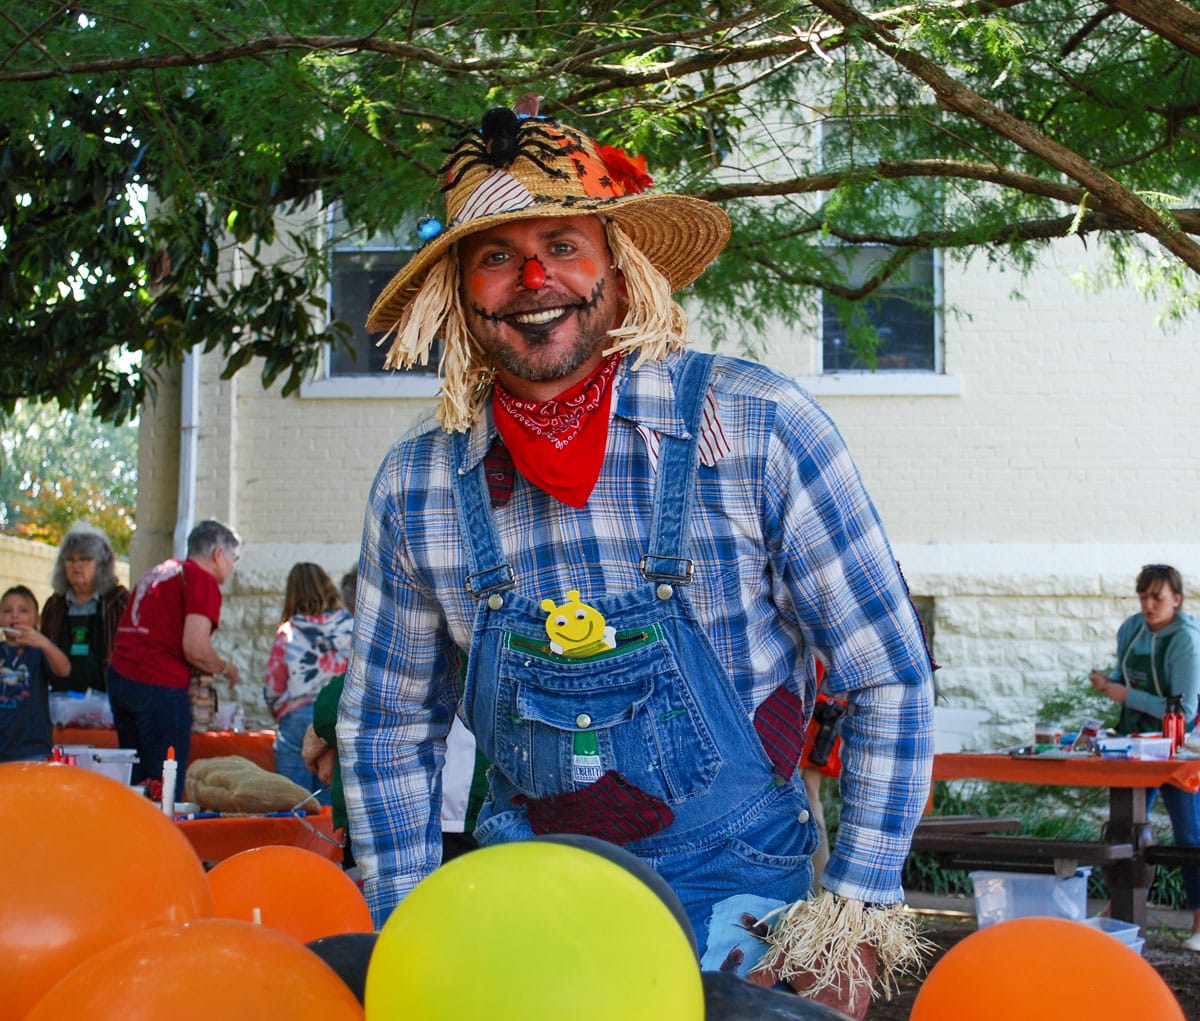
(791, 564)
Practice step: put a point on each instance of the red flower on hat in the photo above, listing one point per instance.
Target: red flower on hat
(627, 172)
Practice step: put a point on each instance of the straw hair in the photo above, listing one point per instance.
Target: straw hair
(823, 933)
(654, 325)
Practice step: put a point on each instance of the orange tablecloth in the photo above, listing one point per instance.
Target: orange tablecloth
(256, 745)
(218, 839)
(1082, 771)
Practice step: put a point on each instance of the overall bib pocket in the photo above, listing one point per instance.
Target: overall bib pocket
(641, 719)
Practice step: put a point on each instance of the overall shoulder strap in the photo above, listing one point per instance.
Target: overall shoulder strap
(667, 558)
(489, 571)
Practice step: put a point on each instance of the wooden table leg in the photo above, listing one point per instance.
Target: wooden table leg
(1129, 881)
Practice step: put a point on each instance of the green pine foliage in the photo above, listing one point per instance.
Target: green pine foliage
(169, 170)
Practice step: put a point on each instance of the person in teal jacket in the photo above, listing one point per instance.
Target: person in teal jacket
(1158, 654)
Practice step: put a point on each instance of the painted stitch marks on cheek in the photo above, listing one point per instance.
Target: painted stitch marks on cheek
(583, 308)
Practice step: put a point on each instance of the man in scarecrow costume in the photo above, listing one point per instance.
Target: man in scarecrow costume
(620, 562)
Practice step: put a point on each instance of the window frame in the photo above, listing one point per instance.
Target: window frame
(422, 381)
(865, 380)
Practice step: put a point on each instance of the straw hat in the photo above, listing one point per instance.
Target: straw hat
(518, 168)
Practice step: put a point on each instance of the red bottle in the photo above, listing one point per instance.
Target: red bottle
(1173, 725)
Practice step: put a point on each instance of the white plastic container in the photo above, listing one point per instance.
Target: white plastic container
(82, 753)
(1126, 932)
(1149, 746)
(1115, 747)
(80, 709)
(116, 763)
(1000, 896)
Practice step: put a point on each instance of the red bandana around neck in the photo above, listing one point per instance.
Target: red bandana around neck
(558, 445)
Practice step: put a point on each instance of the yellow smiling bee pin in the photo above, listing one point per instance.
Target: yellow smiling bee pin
(576, 629)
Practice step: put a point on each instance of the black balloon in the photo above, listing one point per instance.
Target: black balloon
(729, 998)
(348, 955)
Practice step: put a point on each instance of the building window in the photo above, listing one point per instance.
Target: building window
(900, 319)
(360, 269)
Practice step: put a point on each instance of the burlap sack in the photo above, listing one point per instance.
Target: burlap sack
(231, 783)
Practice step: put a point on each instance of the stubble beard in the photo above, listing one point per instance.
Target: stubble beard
(593, 321)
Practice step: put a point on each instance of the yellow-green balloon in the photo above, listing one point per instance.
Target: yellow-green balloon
(533, 931)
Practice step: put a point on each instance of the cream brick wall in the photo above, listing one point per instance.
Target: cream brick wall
(23, 562)
(1022, 506)
(1078, 420)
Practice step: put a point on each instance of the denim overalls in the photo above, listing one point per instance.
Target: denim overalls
(684, 782)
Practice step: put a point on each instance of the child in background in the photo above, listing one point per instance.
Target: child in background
(25, 730)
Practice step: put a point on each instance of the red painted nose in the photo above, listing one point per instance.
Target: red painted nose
(533, 275)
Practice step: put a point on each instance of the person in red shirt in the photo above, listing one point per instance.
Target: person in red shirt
(164, 636)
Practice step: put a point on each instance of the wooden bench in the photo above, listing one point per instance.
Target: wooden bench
(985, 842)
(1172, 854)
(932, 826)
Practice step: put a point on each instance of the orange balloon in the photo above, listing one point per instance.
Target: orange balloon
(213, 968)
(1043, 968)
(87, 862)
(293, 890)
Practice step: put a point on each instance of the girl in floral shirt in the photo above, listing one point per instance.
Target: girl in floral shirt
(312, 647)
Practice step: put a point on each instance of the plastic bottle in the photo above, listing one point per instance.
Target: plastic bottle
(1174, 726)
(170, 771)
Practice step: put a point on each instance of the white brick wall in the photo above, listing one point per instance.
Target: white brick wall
(1023, 506)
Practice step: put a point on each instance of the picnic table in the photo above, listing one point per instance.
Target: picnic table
(256, 745)
(1125, 851)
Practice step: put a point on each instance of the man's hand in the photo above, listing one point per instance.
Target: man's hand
(838, 996)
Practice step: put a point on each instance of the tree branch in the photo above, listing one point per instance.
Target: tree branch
(1029, 184)
(951, 95)
(1177, 23)
(277, 42)
(909, 245)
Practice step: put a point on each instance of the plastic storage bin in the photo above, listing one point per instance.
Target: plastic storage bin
(1126, 932)
(1149, 746)
(80, 709)
(116, 763)
(1000, 896)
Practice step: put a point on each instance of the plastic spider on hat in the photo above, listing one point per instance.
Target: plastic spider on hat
(503, 136)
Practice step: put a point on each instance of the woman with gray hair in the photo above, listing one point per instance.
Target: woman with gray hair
(81, 617)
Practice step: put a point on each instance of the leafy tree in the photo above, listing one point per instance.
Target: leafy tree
(144, 142)
(59, 467)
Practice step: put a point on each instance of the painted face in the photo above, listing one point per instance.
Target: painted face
(553, 332)
(1159, 604)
